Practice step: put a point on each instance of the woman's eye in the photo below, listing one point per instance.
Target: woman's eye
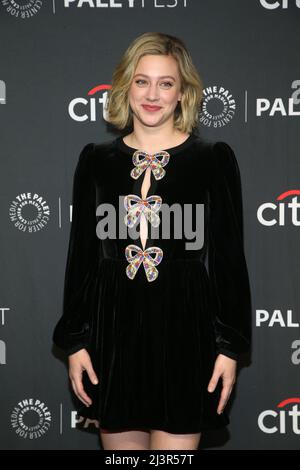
(168, 84)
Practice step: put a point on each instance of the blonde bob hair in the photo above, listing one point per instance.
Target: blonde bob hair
(186, 114)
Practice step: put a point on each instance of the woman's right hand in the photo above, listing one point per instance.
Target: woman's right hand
(79, 362)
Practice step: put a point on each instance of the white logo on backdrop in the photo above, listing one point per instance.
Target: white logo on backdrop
(281, 319)
(30, 418)
(22, 9)
(274, 4)
(282, 213)
(86, 109)
(218, 107)
(288, 107)
(3, 310)
(276, 318)
(29, 212)
(283, 420)
(2, 92)
(2, 352)
(125, 3)
(78, 421)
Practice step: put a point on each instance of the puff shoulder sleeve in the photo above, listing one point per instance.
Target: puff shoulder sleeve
(227, 264)
(72, 330)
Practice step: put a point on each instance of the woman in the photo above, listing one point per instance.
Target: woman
(152, 335)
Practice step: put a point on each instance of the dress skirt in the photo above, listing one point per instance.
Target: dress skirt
(153, 349)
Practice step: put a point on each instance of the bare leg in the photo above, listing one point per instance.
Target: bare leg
(164, 440)
(132, 440)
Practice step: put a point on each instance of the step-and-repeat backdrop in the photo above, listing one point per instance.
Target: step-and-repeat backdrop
(56, 63)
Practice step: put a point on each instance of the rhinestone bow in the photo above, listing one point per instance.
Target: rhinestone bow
(143, 256)
(142, 160)
(135, 206)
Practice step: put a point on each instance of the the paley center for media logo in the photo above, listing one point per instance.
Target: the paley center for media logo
(23, 9)
(30, 418)
(29, 212)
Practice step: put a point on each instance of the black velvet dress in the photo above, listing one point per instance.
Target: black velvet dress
(154, 320)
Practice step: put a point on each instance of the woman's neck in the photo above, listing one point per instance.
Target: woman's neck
(152, 144)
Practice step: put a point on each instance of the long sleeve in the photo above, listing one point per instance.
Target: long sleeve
(227, 265)
(72, 330)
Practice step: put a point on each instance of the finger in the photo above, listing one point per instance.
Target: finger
(83, 396)
(225, 394)
(74, 386)
(76, 392)
(92, 374)
(80, 392)
(213, 381)
(73, 382)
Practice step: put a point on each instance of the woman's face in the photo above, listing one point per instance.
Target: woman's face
(155, 83)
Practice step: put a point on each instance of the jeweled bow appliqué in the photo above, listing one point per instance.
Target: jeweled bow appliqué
(135, 206)
(142, 160)
(143, 256)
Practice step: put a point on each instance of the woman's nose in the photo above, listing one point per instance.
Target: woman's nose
(152, 92)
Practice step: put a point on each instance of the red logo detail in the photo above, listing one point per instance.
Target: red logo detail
(98, 88)
(288, 401)
(288, 193)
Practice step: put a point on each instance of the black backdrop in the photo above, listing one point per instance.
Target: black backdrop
(57, 58)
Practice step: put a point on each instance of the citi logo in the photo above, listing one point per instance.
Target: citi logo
(281, 213)
(87, 109)
(281, 420)
(284, 4)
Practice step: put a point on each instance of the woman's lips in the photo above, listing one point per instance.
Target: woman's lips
(151, 108)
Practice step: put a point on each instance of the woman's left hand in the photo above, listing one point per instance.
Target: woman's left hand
(225, 367)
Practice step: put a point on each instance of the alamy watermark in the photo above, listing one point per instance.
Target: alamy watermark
(186, 220)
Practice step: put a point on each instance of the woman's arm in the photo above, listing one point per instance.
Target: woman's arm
(227, 270)
(227, 265)
(72, 330)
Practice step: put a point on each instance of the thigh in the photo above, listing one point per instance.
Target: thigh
(164, 440)
(131, 440)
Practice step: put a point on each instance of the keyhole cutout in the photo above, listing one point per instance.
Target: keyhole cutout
(143, 221)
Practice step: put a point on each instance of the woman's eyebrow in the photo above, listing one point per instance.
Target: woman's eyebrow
(163, 76)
